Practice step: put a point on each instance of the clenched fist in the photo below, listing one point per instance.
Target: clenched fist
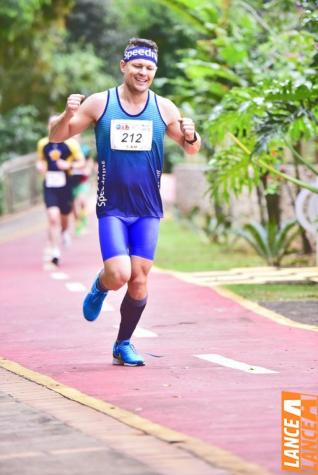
(187, 128)
(73, 103)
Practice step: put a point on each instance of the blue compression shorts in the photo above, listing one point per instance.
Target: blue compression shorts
(120, 236)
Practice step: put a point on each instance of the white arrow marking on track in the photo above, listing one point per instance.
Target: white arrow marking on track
(229, 363)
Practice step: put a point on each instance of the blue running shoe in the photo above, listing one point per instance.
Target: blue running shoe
(93, 302)
(125, 354)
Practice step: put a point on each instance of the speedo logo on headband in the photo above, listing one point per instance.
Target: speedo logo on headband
(140, 52)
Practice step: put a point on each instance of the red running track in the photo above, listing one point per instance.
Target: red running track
(42, 329)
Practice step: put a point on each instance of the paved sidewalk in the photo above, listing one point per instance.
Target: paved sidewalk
(42, 433)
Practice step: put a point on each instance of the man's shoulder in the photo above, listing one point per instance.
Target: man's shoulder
(95, 104)
(165, 102)
(97, 97)
(168, 109)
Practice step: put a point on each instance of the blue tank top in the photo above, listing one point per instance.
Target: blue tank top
(129, 181)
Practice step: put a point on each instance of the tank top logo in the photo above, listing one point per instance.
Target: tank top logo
(101, 198)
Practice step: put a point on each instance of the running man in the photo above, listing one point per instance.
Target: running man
(130, 124)
(55, 162)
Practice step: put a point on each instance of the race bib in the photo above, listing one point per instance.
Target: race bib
(132, 135)
(55, 179)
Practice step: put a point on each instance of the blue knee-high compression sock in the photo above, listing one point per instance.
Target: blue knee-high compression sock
(130, 311)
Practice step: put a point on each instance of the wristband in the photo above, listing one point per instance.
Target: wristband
(192, 141)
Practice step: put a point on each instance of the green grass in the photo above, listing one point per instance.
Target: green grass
(180, 249)
(262, 292)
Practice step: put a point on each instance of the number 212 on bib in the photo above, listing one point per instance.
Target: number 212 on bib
(132, 135)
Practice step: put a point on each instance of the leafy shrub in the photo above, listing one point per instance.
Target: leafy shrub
(271, 242)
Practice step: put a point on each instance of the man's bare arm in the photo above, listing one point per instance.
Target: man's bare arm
(180, 129)
(77, 117)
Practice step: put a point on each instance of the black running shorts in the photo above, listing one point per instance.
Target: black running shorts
(60, 197)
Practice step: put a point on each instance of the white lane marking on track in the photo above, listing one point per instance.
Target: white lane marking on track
(142, 332)
(75, 287)
(59, 276)
(15, 455)
(229, 363)
(77, 450)
(107, 307)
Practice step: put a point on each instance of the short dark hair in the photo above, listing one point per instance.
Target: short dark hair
(142, 42)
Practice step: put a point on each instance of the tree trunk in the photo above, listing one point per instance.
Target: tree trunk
(272, 203)
(260, 205)
(306, 246)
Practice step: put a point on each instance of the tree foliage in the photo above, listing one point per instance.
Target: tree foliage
(251, 83)
(30, 31)
(38, 65)
(98, 23)
(20, 129)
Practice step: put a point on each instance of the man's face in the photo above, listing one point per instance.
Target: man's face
(138, 74)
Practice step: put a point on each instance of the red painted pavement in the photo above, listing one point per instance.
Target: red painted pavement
(42, 329)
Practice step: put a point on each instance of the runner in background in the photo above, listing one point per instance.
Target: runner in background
(55, 162)
(80, 185)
